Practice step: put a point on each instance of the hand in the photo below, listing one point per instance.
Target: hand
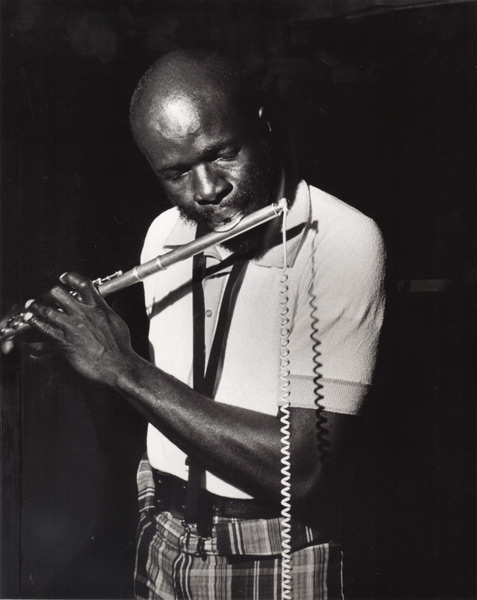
(90, 335)
(31, 342)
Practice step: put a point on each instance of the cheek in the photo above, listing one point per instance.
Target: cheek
(251, 167)
(240, 176)
(249, 177)
(177, 194)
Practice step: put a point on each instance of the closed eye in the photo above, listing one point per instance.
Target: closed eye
(175, 175)
(214, 155)
(228, 154)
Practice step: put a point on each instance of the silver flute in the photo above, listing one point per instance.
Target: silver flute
(119, 280)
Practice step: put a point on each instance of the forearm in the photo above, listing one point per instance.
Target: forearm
(238, 445)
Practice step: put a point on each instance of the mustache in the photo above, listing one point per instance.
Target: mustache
(204, 215)
(252, 193)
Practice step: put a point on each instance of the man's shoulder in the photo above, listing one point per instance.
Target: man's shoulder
(340, 224)
(327, 207)
(164, 223)
(158, 232)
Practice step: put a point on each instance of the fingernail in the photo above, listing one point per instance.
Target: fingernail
(29, 302)
(27, 316)
(62, 276)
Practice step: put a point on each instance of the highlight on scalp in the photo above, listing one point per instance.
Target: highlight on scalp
(194, 71)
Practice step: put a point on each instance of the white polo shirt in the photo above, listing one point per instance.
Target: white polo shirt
(335, 306)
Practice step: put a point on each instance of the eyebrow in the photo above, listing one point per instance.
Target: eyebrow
(212, 150)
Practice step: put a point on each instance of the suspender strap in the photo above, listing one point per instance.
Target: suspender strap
(192, 510)
(198, 322)
(206, 382)
(217, 351)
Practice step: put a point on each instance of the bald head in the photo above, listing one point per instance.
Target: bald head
(182, 86)
(195, 121)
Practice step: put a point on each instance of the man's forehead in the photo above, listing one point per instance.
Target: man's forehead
(176, 115)
(179, 115)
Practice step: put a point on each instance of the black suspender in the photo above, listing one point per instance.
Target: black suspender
(206, 379)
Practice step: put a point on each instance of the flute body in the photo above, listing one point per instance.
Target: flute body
(118, 281)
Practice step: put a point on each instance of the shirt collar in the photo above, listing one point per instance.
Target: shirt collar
(297, 219)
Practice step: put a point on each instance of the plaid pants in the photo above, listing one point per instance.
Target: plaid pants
(169, 567)
(240, 561)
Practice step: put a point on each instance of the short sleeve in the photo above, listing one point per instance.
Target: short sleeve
(338, 314)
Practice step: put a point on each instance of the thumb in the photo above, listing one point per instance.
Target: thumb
(7, 346)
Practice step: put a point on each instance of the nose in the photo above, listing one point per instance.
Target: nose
(210, 186)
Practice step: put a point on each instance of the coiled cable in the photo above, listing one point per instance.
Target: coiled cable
(322, 431)
(284, 410)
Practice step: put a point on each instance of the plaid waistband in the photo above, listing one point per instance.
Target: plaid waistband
(232, 536)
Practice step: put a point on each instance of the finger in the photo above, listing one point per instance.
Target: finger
(63, 298)
(48, 329)
(46, 313)
(84, 287)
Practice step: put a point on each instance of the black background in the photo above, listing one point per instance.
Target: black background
(379, 110)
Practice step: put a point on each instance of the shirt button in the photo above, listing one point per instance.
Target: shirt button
(208, 313)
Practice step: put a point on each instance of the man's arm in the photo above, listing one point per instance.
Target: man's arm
(239, 445)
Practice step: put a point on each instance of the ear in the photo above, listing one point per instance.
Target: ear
(263, 118)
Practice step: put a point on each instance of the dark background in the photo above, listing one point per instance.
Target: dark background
(378, 109)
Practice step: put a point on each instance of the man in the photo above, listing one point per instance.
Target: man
(306, 334)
